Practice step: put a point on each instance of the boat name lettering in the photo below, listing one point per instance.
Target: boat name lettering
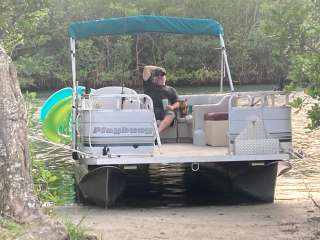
(122, 130)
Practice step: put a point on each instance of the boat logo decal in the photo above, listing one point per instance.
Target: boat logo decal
(122, 130)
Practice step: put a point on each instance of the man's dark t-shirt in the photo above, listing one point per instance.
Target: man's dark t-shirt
(157, 93)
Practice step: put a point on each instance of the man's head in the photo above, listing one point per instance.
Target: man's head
(159, 76)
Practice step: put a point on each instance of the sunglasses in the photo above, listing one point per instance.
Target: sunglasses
(160, 74)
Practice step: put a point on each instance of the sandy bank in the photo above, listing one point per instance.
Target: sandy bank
(285, 219)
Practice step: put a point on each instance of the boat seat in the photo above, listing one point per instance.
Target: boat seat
(198, 113)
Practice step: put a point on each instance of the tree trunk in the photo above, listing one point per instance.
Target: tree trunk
(17, 199)
(16, 189)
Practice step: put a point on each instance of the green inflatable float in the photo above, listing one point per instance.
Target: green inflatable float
(56, 115)
(56, 126)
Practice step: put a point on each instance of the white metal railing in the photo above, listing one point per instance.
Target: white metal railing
(263, 98)
(116, 102)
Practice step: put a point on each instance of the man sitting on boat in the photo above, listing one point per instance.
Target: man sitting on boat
(165, 98)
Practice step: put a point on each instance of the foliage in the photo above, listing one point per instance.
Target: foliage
(49, 185)
(10, 230)
(32, 105)
(297, 102)
(75, 232)
(44, 61)
(43, 178)
(292, 28)
(19, 21)
(314, 116)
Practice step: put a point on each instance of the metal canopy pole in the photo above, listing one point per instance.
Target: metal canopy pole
(74, 91)
(222, 73)
(226, 62)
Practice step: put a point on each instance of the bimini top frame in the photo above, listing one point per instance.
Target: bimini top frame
(141, 24)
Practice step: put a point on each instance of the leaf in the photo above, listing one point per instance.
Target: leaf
(296, 103)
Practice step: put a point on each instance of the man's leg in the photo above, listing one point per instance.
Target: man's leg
(166, 122)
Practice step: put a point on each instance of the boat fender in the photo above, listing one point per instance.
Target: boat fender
(195, 167)
(75, 156)
(105, 151)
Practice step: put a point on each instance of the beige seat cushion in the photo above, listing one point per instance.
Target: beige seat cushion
(216, 133)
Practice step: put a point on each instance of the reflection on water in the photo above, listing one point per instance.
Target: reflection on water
(164, 185)
(159, 183)
(173, 185)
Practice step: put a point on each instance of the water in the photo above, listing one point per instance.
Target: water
(213, 89)
(163, 185)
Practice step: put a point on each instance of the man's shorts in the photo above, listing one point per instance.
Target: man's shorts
(160, 113)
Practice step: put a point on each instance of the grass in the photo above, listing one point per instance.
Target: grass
(10, 229)
(75, 231)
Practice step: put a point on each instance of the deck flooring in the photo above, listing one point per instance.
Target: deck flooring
(188, 149)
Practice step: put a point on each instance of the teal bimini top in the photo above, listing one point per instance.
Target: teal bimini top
(142, 24)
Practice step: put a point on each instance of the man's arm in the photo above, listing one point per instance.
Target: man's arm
(174, 99)
(174, 106)
(147, 72)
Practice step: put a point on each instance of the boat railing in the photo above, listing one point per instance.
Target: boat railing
(270, 111)
(116, 102)
(260, 98)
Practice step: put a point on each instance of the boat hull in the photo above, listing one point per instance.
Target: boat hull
(226, 182)
(254, 181)
(102, 186)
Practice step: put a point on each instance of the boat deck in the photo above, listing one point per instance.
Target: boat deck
(182, 153)
(183, 149)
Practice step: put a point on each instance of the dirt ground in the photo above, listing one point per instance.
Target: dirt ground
(285, 219)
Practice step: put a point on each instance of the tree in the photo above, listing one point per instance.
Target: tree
(292, 29)
(17, 200)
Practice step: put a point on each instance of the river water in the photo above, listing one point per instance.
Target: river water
(163, 185)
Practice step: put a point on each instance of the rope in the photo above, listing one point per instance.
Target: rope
(66, 147)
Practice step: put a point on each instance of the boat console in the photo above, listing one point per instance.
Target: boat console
(116, 121)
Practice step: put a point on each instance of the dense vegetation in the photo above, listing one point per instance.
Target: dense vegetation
(268, 41)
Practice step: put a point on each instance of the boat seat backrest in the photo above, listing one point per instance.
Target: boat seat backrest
(131, 104)
(113, 90)
(102, 101)
(200, 99)
(198, 111)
